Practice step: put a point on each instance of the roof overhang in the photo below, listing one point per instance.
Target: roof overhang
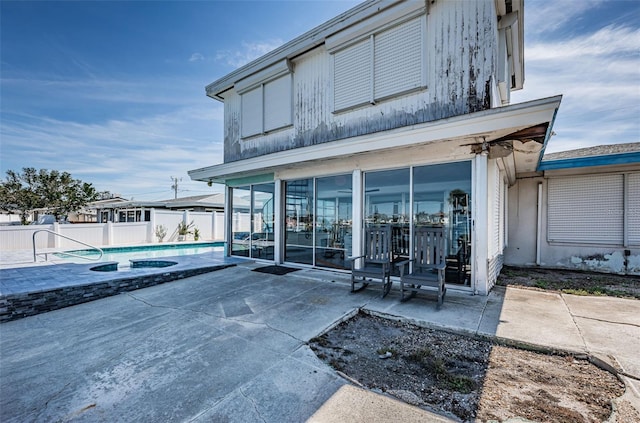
(510, 124)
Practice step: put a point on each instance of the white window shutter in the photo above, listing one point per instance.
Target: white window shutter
(398, 60)
(586, 209)
(352, 75)
(252, 112)
(277, 103)
(633, 209)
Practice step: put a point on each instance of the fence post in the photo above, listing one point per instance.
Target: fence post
(185, 219)
(56, 239)
(109, 233)
(152, 226)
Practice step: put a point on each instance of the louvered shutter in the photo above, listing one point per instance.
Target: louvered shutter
(352, 75)
(277, 103)
(398, 60)
(586, 209)
(252, 112)
(633, 211)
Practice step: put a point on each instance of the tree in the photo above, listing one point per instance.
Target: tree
(55, 191)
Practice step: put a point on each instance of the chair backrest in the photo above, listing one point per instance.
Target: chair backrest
(400, 241)
(428, 246)
(377, 243)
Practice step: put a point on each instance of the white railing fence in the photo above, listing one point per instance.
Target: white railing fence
(209, 224)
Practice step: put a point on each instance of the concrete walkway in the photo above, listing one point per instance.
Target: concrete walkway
(231, 346)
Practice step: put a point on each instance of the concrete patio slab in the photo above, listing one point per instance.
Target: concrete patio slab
(231, 346)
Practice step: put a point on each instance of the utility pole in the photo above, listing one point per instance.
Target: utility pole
(174, 187)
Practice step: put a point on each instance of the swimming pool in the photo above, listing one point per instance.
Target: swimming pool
(123, 254)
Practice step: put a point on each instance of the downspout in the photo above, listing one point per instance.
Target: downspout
(539, 225)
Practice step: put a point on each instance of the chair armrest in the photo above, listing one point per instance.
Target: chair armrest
(440, 266)
(354, 258)
(377, 261)
(403, 262)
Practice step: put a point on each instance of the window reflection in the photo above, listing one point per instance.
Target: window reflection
(252, 231)
(241, 222)
(333, 221)
(299, 221)
(387, 198)
(441, 198)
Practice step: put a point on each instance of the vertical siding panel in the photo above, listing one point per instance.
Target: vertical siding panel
(461, 39)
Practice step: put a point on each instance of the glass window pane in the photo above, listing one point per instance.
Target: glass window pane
(442, 198)
(387, 202)
(299, 221)
(333, 221)
(241, 222)
(262, 235)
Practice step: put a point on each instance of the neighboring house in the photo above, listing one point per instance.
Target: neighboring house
(88, 214)
(395, 112)
(140, 211)
(586, 204)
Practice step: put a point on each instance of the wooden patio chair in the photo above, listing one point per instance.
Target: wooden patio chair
(427, 265)
(376, 260)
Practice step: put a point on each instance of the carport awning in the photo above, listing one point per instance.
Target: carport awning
(525, 127)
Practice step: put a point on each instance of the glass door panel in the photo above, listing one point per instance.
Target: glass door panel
(441, 198)
(333, 221)
(262, 230)
(387, 202)
(299, 221)
(241, 222)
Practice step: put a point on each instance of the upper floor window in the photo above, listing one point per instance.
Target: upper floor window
(384, 64)
(266, 106)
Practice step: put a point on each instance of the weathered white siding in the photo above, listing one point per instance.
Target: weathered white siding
(461, 55)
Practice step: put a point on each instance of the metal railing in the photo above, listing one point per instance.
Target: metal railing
(46, 255)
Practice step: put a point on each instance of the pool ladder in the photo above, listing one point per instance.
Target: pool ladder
(46, 255)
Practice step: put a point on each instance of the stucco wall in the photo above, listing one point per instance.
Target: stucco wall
(522, 218)
(521, 250)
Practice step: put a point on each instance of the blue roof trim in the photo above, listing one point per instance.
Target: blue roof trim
(609, 159)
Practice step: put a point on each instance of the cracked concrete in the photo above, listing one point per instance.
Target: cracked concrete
(231, 346)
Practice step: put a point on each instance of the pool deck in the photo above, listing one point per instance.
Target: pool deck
(28, 288)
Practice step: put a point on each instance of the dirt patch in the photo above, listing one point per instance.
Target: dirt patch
(465, 378)
(571, 281)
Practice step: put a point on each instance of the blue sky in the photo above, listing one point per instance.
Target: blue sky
(113, 92)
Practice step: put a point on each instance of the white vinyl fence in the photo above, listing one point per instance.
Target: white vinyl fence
(210, 226)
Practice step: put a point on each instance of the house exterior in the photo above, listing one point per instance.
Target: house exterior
(586, 207)
(394, 113)
(140, 211)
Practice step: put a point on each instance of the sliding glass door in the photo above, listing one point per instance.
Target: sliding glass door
(252, 221)
(387, 202)
(318, 221)
(333, 221)
(299, 221)
(437, 196)
(442, 198)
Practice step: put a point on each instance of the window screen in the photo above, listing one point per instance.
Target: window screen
(586, 209)
(277, 103)
(352, 75)
(252, 112)
(398, 59)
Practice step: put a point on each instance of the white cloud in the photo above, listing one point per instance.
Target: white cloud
(196, 57)
(130, 157)
(549, 16)
(250, 51)
(599, 76)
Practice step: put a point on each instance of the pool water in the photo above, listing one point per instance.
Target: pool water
(123, 254)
